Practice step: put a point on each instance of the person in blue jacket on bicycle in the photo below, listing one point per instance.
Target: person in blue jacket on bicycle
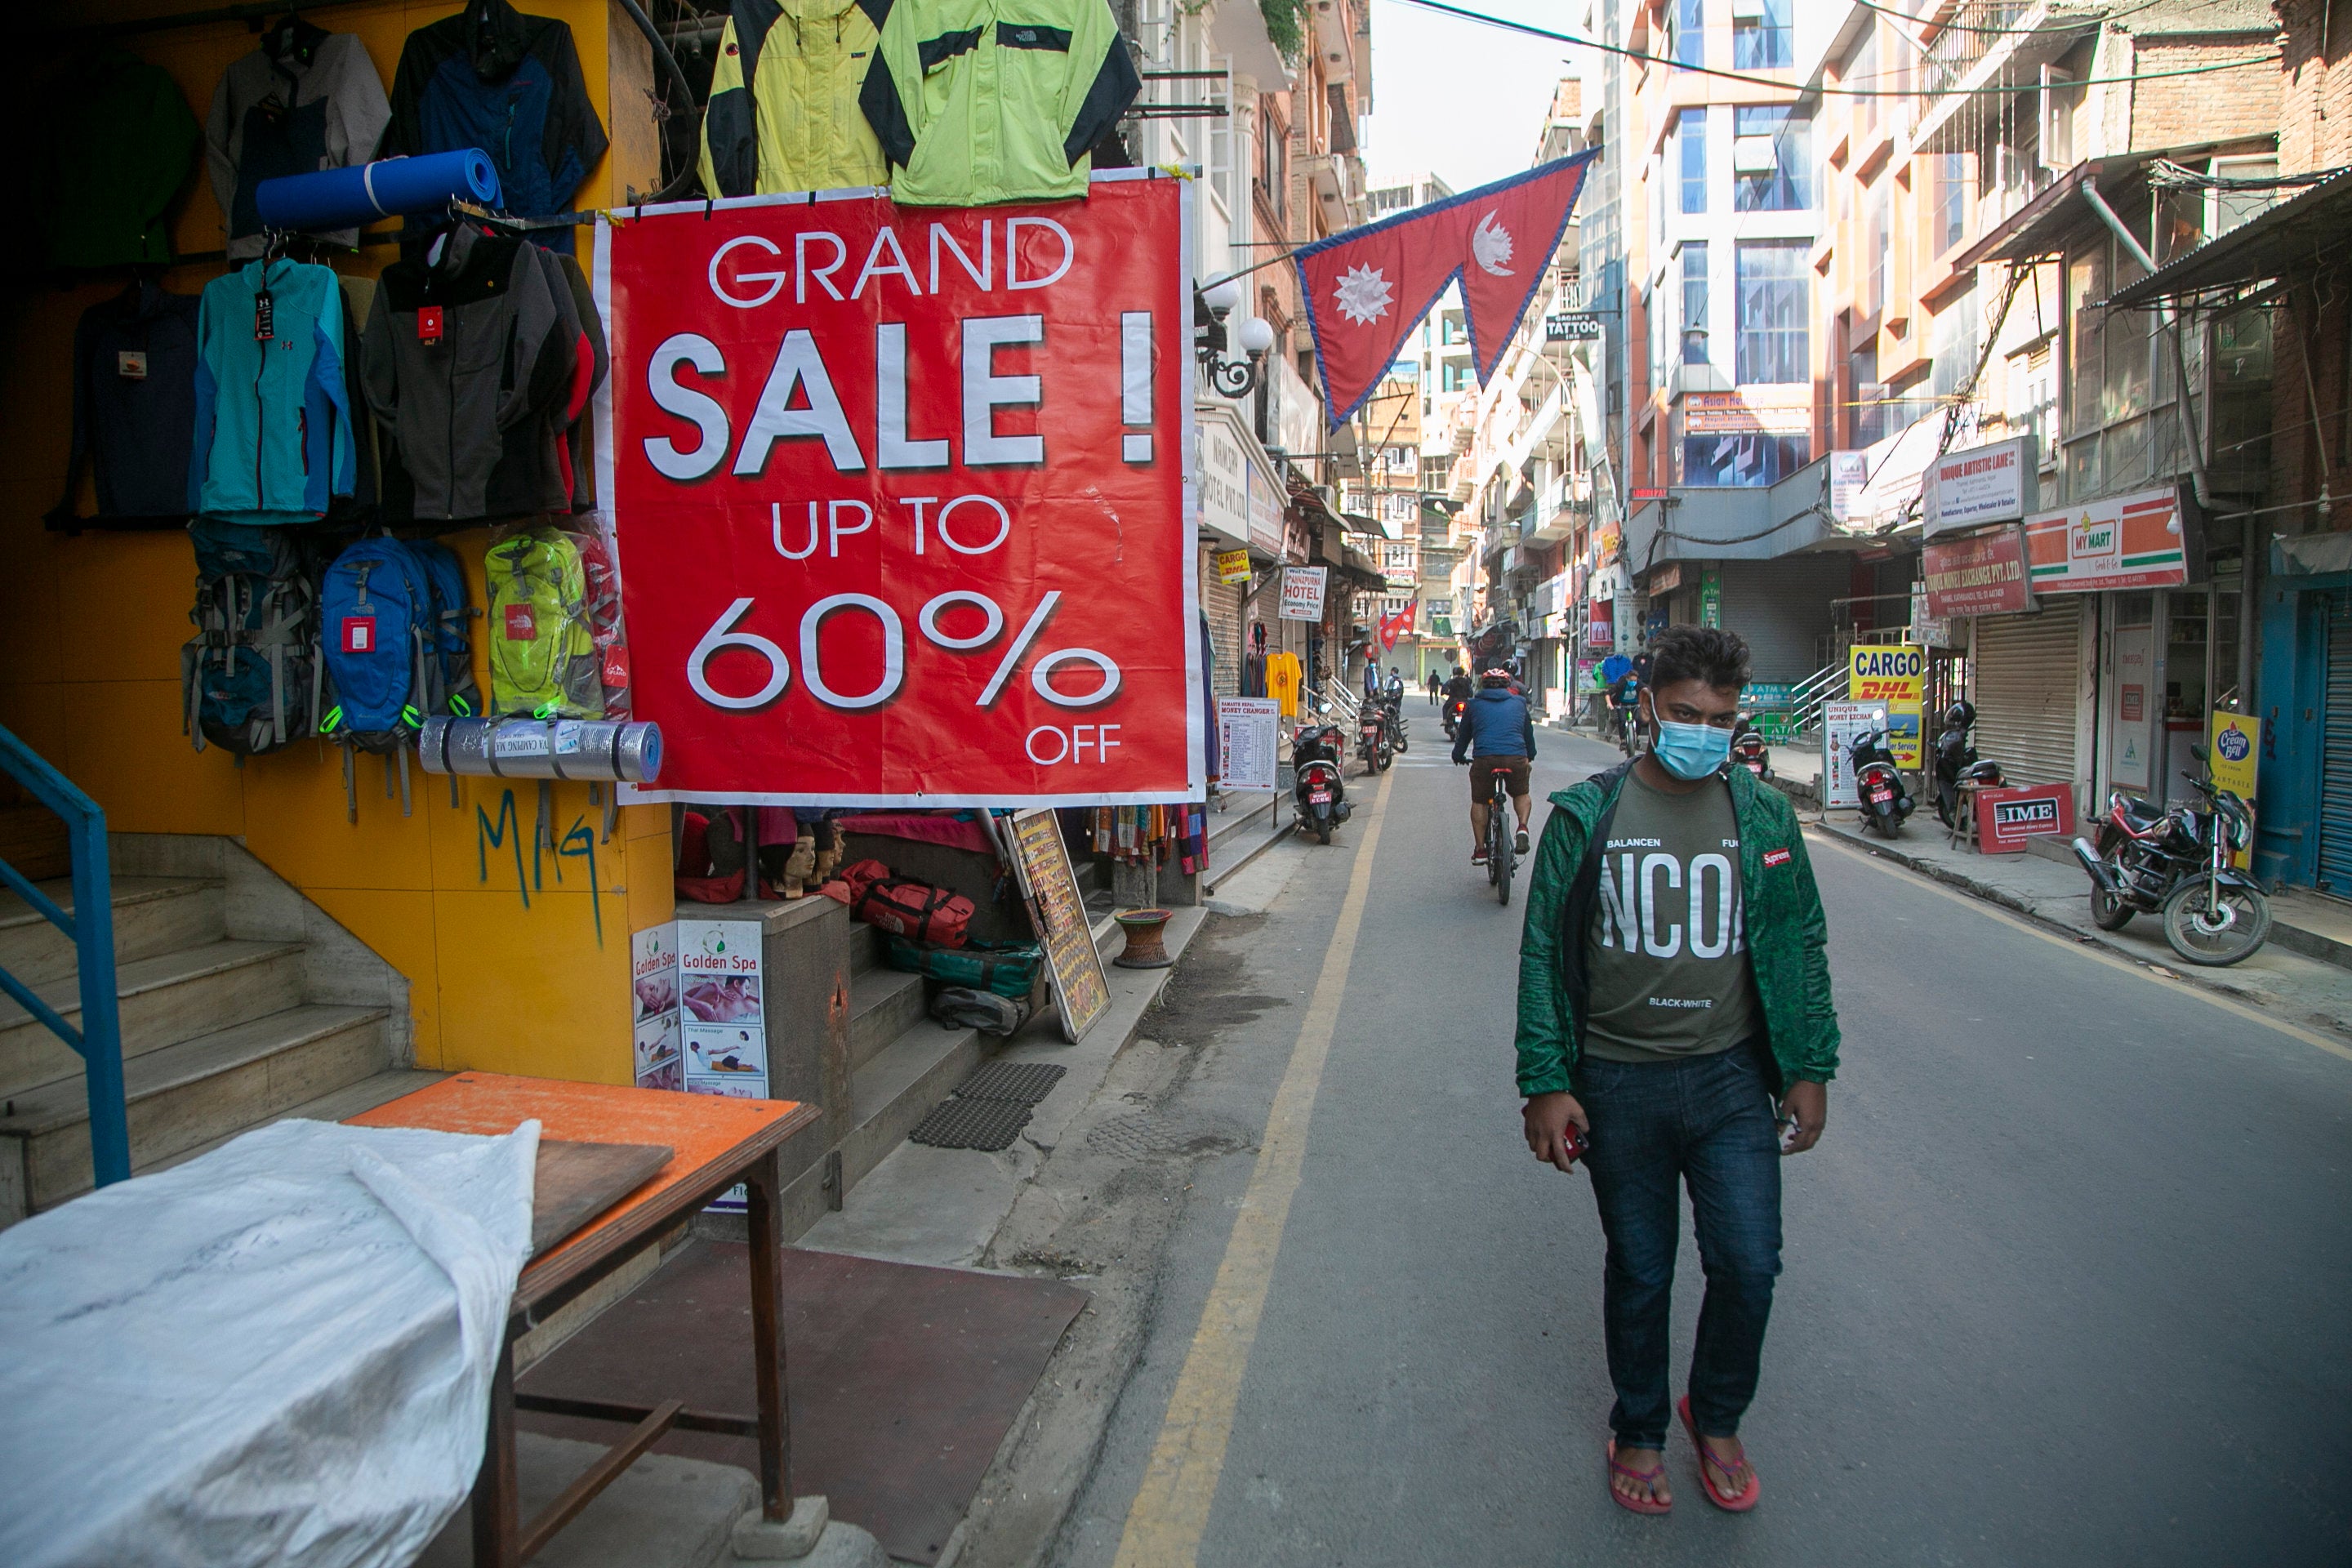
(1497, 725)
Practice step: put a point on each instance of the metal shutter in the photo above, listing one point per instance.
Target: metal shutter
(2336, 753)
(1782, 608)
(1222, 602)
(2026, 672)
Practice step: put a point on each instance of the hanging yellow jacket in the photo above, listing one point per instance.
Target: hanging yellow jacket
(783, 112)
(996, 100)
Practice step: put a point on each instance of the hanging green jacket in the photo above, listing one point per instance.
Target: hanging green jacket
(1787, 934)
(996, 100)
(783, 113)
(119, 140)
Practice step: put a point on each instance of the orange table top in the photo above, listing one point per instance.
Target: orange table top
(708, 1136)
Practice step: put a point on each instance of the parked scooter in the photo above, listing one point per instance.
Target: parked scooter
(1747, 749)
(1885, 803)
(2174, 864)
(1320, 795)
(1956, 759)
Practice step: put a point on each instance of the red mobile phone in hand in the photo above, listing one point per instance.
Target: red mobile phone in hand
(1573, 1136)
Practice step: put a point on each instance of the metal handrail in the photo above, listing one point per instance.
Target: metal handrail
(90, 928)
(1826, 685)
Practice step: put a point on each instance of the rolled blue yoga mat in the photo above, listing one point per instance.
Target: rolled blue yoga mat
(347, 198)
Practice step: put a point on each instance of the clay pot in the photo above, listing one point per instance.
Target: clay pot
(1144, 928)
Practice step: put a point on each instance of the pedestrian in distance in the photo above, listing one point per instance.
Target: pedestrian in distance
(1674, 989)
(1429, 679)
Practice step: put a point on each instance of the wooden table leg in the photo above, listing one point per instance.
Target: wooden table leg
(498, 1489)
(764, 1188)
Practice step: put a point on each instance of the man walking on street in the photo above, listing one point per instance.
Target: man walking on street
(1673, 984)
(1429, 679)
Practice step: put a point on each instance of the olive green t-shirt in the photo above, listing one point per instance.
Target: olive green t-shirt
(1667, 955)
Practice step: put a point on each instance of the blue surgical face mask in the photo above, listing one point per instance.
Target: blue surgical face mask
(1691, 751)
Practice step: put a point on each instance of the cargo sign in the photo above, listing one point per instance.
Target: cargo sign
(2122, 542)
(1892, 677)
(1982, 575)
(2006, 818)
(1984, 484)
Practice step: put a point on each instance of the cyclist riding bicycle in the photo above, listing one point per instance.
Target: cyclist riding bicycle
(1500, 734)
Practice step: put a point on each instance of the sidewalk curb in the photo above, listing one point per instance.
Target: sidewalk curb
(2090, 937)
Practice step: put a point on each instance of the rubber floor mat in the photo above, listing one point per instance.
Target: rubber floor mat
(1024, 1083)
(959, 1123)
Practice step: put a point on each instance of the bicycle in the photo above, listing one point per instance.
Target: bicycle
(1501, 861)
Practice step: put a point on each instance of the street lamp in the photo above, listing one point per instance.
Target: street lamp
(1230, 377)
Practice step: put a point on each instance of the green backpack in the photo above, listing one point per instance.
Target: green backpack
(543, 661)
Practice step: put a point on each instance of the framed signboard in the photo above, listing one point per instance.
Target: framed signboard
(1081, 990)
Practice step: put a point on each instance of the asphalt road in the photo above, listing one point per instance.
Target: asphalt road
(2065, 1282)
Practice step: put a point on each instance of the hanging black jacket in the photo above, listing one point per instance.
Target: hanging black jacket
(509, 84)
(134, 410)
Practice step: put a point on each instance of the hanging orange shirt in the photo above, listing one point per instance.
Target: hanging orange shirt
(1284, 675)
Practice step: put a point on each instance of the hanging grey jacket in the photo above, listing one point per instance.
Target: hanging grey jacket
(471, 411)
(307, 100)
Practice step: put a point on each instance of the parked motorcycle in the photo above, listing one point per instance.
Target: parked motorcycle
(1319, 794)
(1748, 750)
(1400, 732)
(1885, 803)
(2174, 863)
(1373, 743)
(1956, 760)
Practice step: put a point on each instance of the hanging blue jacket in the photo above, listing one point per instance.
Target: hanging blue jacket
(273, 438)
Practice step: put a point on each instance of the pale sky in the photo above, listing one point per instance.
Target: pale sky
(1461, 101)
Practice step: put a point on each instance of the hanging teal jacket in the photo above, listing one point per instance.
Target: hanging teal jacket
(273, 439)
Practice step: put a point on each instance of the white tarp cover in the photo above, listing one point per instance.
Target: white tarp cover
(280, 1353)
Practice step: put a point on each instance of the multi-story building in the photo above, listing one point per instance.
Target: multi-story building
(2036, 162)
(1701, 227)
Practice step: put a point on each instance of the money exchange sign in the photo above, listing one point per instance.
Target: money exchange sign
(900, 497)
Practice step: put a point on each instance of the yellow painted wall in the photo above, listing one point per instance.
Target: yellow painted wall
(514, 965)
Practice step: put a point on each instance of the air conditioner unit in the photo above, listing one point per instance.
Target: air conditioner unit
(1753, 155)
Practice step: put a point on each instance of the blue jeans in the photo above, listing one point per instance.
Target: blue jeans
(1708, 1121)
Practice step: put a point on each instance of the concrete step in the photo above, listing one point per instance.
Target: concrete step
(165, 999)
(151, 915)
(192, 1093)
(1250, 818)
(899, 1086)
(884, 1004)
(341, 1105)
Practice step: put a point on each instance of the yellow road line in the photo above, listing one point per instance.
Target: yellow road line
(1170, 1511)
(2011, 918)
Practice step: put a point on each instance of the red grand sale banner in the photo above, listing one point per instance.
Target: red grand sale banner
(900, 497)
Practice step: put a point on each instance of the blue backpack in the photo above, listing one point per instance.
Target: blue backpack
(380, 675)
(247, 677)
(452, 643)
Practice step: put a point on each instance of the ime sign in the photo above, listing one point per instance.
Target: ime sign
(2006, 818)
(899, 496)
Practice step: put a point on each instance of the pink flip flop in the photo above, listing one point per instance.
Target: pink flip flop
(1636, 1505)
(1708, 1464)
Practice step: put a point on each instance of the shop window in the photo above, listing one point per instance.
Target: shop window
(1741, 460)
(1774, 303)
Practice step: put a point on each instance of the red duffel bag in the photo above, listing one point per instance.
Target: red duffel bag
(916, 911)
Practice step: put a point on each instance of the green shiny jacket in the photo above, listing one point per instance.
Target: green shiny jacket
(1787, 934)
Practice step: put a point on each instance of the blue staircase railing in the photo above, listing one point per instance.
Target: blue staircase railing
(90, 928)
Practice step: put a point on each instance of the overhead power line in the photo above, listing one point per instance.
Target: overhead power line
(1532, 31)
